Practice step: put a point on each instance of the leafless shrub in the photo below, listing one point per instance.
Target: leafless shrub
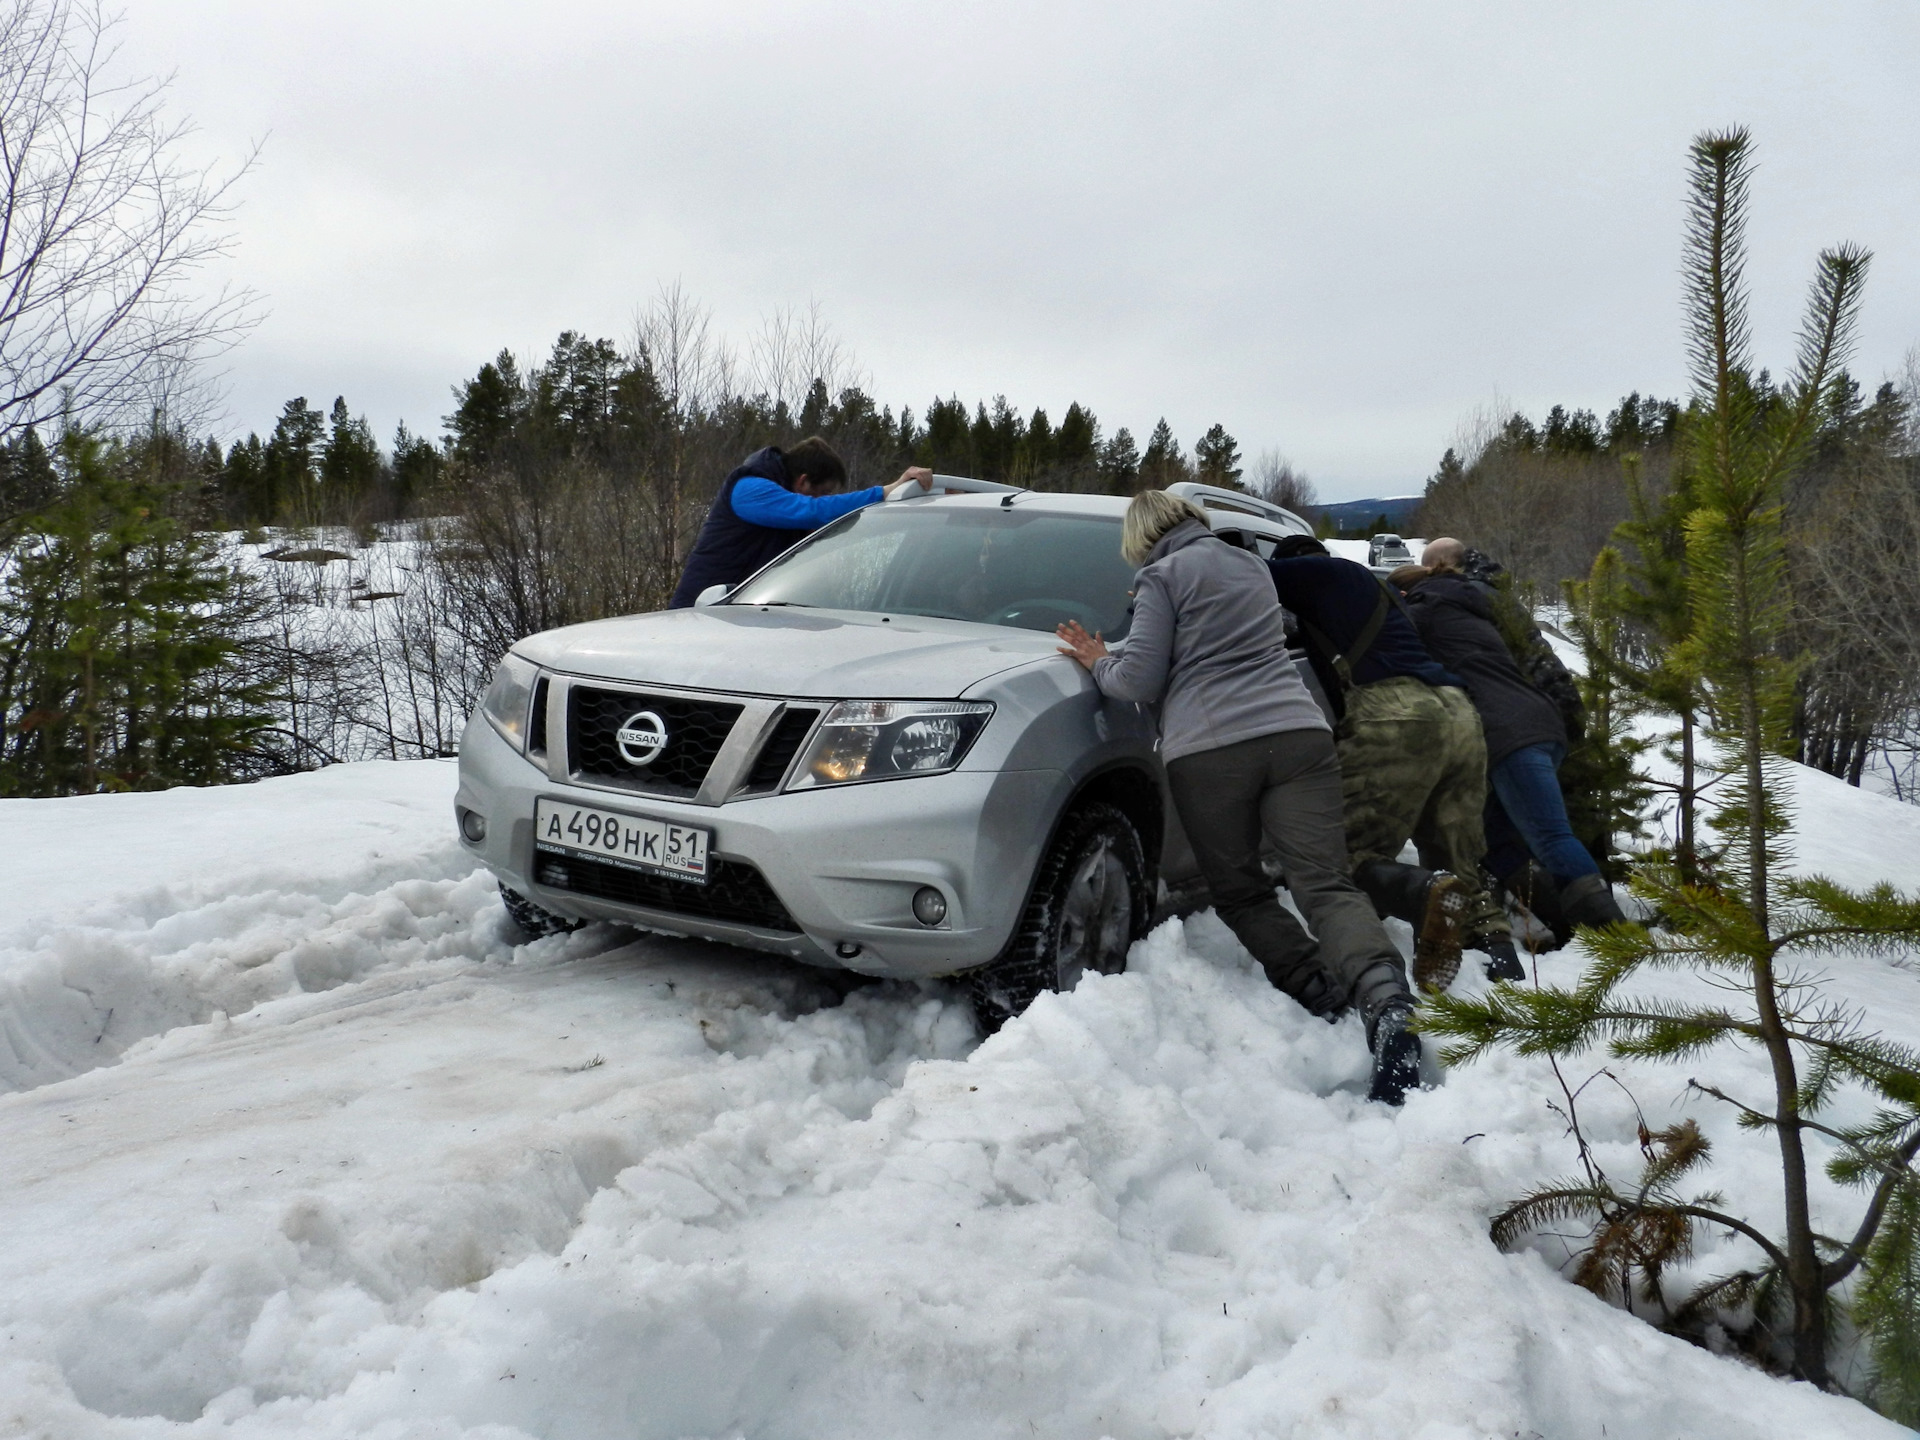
(796, 349)
(1545, 516)
(1276, 481)
(104, 231)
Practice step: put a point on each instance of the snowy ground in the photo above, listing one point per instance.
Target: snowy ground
(296, 1143)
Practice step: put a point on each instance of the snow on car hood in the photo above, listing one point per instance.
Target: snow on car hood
(781, 650)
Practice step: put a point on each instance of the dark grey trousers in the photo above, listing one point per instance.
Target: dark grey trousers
(1287, 787)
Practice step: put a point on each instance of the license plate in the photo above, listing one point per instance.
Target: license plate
(632, 842)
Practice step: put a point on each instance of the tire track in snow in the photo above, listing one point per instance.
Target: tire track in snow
(81, 996)
(331, 1164)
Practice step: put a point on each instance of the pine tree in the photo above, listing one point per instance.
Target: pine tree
(27, 477)
(1077, 442)
(1036, 449)
(1162, 464)
(489, 407)
(292, 458)
(1744, 924)
(1120, 463)
(416, 469)
(1217, 459)
(351, 467)
(127, 627)
(947, 443)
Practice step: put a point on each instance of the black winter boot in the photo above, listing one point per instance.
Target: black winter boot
(1396, 1052)
(1589, 901)
(1503, 961)
(1395, 889)
(1539, 893)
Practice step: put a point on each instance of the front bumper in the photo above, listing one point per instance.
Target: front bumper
(844, 861)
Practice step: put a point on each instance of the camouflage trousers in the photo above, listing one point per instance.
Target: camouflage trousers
(1413, 766)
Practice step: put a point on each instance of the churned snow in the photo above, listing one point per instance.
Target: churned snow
(296, 1142)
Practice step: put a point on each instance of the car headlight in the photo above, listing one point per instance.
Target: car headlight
(890, 739)
(509, 699)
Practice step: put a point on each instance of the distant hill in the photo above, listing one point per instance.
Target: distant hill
(1352, 514)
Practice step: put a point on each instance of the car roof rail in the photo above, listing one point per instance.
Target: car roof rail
(969, 486)
(1213, 497)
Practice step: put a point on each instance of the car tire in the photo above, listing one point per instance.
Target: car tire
(532, 919)
(1090, 901)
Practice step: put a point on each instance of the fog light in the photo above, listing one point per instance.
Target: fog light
(473, 825)
(929, 905)
(847, 950)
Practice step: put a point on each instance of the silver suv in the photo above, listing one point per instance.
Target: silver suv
(869, 755)
(1387, 553)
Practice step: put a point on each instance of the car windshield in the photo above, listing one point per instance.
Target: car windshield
(1029, 570)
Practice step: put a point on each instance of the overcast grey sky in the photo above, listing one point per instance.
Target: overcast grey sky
(1336, 228)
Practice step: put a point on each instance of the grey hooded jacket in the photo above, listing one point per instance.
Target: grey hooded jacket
(1209, 646)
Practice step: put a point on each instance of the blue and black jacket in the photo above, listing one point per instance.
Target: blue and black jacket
(754, 518)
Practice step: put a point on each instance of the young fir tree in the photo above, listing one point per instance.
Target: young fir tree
(1746, 924)
(1650, 614)
(125, 623)
(1606, 793)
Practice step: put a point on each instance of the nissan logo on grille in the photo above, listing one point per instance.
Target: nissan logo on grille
(641, 738)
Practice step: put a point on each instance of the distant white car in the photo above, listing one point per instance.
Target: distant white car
(1388, 552)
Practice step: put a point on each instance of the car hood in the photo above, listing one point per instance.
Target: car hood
(761, 650)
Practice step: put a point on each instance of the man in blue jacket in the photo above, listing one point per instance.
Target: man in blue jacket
(773, 499)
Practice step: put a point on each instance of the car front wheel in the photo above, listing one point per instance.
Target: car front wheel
(1088, 905)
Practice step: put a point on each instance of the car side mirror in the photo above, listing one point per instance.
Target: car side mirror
(712, 595)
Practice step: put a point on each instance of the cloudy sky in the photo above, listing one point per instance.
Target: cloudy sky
(1336, 228)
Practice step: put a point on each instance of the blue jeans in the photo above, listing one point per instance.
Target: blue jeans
(1526, 812)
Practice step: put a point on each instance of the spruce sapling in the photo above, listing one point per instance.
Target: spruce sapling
(1744, 925)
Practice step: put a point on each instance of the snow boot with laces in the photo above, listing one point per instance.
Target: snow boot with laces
(1396, 1052)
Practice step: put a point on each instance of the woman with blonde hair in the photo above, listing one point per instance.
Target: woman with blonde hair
(1248, 754)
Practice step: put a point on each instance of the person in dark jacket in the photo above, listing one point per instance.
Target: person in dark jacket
(1526, 736)
(1509, 862)
(1413, 763)
(772, 500)
(1248, 757)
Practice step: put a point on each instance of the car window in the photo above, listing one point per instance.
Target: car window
(1027, 570)
(1260, 545)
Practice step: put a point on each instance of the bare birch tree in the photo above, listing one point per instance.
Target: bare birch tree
(796, 347)
(105, 230)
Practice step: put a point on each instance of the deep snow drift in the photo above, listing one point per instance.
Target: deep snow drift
(298, 1144)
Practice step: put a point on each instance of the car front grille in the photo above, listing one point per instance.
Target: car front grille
(695, 730)
(770, 767)
(735, 892)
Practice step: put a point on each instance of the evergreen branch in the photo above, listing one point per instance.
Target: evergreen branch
(1897, 1171)
(1716, 226)
(1826, 334)
(1714, 1217)
(1557, 1200)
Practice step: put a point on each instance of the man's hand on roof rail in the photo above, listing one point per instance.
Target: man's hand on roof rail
(913, 475)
